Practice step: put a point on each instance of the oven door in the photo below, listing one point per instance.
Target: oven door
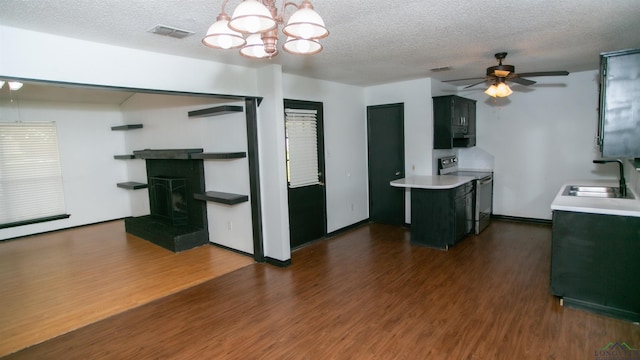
(484, 202)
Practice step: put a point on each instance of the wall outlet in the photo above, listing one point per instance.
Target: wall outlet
(229, 225)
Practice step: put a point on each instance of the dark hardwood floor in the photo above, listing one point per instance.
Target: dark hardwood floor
(365, 294)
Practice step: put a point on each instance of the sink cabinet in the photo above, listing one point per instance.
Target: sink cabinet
(454, 122)
(594, 263)
(442, 217)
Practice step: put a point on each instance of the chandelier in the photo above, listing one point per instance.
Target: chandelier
(259, 20)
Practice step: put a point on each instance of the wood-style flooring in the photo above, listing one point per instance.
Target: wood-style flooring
(57, 282)
(364, 294)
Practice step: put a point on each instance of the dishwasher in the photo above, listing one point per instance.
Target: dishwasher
(484, 190)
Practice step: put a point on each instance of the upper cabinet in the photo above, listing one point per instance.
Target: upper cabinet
(619, 121)
(454, 122)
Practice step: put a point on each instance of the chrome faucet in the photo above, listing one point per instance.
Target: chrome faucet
(623, 183)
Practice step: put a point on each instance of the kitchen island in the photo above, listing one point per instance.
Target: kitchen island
(441, 208)
(595, 252)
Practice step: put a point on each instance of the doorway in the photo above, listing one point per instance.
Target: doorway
(305, 171)
(385, 143)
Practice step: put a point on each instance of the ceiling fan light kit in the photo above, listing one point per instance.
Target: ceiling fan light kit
(259, 20)
(500, 89)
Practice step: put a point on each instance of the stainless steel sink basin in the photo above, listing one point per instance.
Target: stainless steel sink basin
(596, 191)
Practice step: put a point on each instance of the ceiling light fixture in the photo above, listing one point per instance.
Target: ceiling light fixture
(260, 20)
(13, 85)
(499, 89)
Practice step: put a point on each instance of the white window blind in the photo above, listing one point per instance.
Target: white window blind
(302, 147)
(30, 174)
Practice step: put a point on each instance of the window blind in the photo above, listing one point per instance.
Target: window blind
(302, 147)
(30, 173)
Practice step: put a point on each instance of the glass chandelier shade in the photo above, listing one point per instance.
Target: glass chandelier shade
(302, 46)
(305, 23)
(252, 17)
(259, 20)
(255, 48)
(220, 36)
(14, 85)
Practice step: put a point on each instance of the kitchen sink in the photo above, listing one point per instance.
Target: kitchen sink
(596, 191)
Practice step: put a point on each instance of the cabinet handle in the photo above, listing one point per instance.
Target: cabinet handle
(397, 173)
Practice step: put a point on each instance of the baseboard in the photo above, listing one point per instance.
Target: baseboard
(521, 219)
(61, 229)
(347, 228)
(276, 262)
(601, 309)
(231, 249)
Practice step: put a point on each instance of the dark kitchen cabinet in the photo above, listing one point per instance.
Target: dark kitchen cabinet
(594, 263)
(454, 122)
(618, 130)
(442, 217)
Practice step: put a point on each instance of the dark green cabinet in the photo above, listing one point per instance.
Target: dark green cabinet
(454, 122)
(595, 263)
(441, 217)
(618, 130)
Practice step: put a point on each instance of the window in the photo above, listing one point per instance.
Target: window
(302, 147)
(30, 175)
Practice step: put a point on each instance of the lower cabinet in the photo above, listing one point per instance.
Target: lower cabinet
(442, 217)
(595, 263)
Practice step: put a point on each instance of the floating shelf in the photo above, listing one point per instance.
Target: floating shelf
(132, 185)
(179, 154)
(127, 127)
(219, 156)
(221, 197)
(124, 157)
(214, 111)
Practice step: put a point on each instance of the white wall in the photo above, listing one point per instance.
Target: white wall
(86, 146)
(166, 125)
(63, 59)
(273, 180)
(345, 146)
(541, 137)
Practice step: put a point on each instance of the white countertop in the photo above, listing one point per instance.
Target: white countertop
(432, 182)
(608, 206)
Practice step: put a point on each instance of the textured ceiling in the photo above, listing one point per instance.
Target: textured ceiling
(370, 42)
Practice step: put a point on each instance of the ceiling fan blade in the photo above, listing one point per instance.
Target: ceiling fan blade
(521, 81)
(478, 83)
(475, 78)
(544, 73)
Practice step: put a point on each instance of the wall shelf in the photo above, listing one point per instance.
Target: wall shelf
(124, 157)
(127, 127)
(219, 156)
(178, 154)
(214, 111)
(221, 197)
(132, 185)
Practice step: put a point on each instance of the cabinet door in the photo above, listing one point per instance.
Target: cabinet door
(620, 104)
(460, 116)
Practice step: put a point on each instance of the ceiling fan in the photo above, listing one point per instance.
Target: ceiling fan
(500, 74)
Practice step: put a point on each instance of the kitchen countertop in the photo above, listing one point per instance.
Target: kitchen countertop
(432, 182)
(607, 206)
